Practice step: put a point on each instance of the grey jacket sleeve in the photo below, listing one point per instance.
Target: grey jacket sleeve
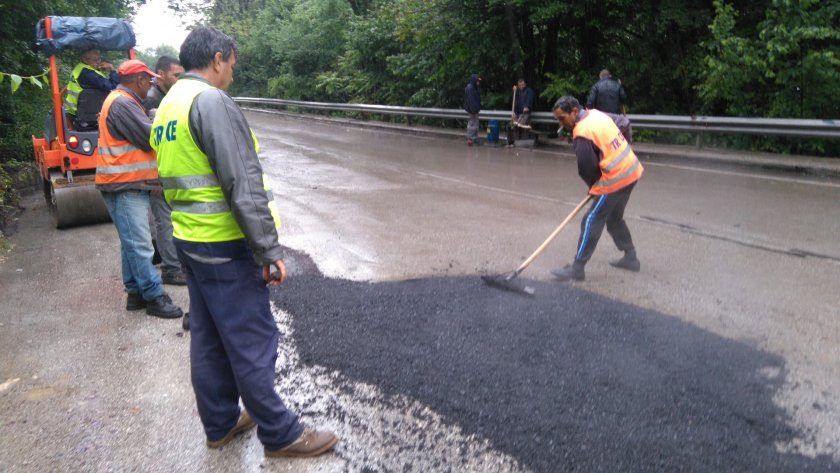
(623, 124)
(221, 131)
(128, 121)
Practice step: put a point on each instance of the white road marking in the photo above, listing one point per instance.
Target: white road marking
(792, 180)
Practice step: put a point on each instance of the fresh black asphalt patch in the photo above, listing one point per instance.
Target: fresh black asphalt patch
(564, 381)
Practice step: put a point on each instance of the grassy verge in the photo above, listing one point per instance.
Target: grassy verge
(15, 178)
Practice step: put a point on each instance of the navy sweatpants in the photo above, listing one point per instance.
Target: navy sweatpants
(233, 342)
(608, 209)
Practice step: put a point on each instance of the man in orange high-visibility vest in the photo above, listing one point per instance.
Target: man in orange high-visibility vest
(126, 171)
(610, 168)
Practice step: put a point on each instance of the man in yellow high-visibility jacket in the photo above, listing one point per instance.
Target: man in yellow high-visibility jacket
(91, 73)
(226, 238)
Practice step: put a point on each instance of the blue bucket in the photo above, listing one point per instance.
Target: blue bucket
(493, 131)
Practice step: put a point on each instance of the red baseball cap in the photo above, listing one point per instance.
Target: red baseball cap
(134, 66)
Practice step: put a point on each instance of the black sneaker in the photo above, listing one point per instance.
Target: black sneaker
(185, 324)
(628, 262)
(177, 278)
(135, 302)
(569, 272)
(164, 308)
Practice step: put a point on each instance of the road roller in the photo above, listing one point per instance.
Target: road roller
(66, 154)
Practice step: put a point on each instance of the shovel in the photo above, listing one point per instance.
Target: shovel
(505, 281)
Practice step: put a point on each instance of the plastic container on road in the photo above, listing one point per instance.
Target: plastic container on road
(493, 131)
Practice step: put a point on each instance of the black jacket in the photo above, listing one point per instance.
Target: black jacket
(524, 99)
(607, 95)
(472, 96)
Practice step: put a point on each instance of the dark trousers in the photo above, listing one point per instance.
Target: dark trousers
(233, 342)
(608, 209)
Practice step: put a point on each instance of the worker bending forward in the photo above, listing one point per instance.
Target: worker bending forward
(610, 168)
(226, 238)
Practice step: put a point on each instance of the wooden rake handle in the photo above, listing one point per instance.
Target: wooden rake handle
(553, 235)
(513, 107)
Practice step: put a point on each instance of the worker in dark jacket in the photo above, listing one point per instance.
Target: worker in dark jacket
(523, 104)
(226, 236)
(472, 105)
(607, 95)
(610, 168)
(168, 69)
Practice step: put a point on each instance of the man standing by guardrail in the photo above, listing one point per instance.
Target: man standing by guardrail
(472, 105)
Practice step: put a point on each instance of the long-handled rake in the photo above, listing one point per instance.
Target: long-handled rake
(505, 281)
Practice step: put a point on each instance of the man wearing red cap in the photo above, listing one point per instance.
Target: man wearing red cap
(126, 171)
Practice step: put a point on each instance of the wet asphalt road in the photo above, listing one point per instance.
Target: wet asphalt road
(721, 355)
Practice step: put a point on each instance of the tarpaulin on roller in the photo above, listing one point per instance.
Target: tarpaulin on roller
(85, 33)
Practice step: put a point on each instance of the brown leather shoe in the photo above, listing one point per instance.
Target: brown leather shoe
(245, 423)
(310, 444)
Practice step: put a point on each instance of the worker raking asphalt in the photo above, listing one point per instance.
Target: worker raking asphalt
(563, 381)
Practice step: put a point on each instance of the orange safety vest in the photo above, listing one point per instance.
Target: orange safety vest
(119, 161)
(619, 165)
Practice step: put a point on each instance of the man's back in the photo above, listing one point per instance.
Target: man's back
(607, 95)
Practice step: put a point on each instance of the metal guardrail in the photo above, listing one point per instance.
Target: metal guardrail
(702, 124)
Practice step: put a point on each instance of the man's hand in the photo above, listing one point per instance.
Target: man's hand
(106, 66)
(275, 278)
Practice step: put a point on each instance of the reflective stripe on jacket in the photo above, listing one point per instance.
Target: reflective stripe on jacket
(619, 165)
(71, 100)
(119, 161)
(200, 212)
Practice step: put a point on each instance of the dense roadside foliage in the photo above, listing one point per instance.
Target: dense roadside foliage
(750, 58)
(764, 58)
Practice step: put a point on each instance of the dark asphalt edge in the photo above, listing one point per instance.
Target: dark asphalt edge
(799, 165)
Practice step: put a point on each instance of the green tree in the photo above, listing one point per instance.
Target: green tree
(151, 55)
(787, 67)
(303, 40)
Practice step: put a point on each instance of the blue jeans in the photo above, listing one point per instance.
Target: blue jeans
(233, 342)
(130, 212)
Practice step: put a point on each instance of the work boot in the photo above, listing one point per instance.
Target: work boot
(568, 272)
(628, 262)
(164, 308)
(245, 422)
(175, 278)
(311, 443)
(185, 323)
(135, 302)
